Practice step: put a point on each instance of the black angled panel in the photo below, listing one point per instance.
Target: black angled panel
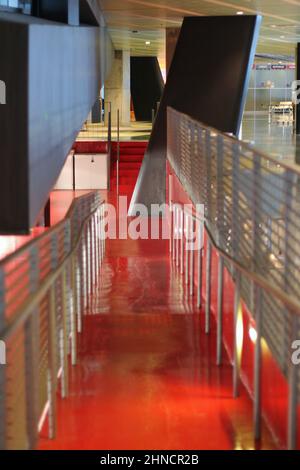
(208, 80)
(146, 86)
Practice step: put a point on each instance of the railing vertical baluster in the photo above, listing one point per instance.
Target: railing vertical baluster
(257, 364)
(208, 285)
(257, 294)
(181, 241)
(291, 322)
(31, 374)
(293, 392)
(52, 363)
(77, 285)
(177, 235)
(63, 337)
(187, 249)
(95, 247)
(200, 277)
(174, 231)
(96, 235)
(2, 369)
(192, 254)
(100, 235)
(236, 352)
(87, 266)
(90, 228)
(103, 240)
(220, 309)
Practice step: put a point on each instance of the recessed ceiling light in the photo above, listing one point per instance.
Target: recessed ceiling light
(239, 12)
(147, 43)
(282, 37)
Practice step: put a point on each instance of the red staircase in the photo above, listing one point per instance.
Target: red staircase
(131, 158)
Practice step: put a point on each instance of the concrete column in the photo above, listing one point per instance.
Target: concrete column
(172, 35)
(73, 12)
(117, 88)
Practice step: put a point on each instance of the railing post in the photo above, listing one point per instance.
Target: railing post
(291, 321)
(2, 367)
(118, 151)
(186, 249)
(94, 249)
(220, 234)
(76, 320)
(208, 285)
(192, 246)
(173, 231)
(31, 346)
(52, 378)
(220, 309)
(76, 273)
(63, 337)
(293, 391)
(91, 256)
(200, 277)
(181, 241)
(87, 265)
(257, 293)
(236, 358)
(176, 236)
(96, 235)
(257, 363)
(103, 241)
(31, 374)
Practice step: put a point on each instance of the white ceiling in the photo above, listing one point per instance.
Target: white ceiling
(148, 18)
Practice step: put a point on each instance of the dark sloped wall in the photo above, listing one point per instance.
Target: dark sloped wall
(53, 74)
(208, 79)
(146, 85)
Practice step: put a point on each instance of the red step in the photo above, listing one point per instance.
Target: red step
(131, 158)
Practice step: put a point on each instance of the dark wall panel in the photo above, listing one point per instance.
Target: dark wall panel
(146, 86)
(208, 80)
(53, 75)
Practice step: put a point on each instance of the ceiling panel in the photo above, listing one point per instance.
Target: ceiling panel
(132, 23)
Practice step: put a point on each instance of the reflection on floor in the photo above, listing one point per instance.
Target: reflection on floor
(146, 376)
(272, 136)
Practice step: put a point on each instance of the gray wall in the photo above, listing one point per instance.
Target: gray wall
(53, 75)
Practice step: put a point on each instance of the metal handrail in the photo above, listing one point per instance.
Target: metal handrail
(109, 150)
(251, 215)
(59, 269)
(118, 150)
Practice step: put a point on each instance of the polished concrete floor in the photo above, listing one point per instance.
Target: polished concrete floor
(272, 136)
(135, 131)
(146, 376)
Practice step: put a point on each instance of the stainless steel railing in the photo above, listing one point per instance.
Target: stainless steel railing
(45, 289)
(251, 213)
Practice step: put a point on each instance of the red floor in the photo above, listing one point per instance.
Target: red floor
(146, 377)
